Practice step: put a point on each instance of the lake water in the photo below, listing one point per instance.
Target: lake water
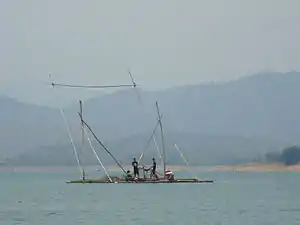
(234, 199)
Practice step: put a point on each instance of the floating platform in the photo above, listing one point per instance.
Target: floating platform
(139, 181)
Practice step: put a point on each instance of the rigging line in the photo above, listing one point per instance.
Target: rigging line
(91, 86)
(157, 148)
(132, 80)
(134, 85)
(163, 130)
(182, 156)
(185, 160)
(95, 153)
(141, 103)
(148, 142)
(162, 137)
(71, 139)
(72, 143)
(102, 145)
(153, 133)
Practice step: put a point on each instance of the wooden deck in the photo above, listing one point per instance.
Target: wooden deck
(140, 181)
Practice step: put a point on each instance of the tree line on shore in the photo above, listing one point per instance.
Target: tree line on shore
(288, 156)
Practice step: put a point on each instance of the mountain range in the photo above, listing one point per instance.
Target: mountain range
(213, 123)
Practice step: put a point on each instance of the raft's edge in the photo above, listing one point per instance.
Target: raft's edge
(102, 181)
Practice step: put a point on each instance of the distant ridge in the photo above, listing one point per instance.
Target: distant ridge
(264, 106)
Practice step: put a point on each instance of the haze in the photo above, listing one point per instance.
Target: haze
(165, 43)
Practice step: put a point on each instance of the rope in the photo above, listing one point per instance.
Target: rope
(184, 159)
(92, 86)
(148, 142)
(102, 145)
(158, 151)
(134, 85)
(82, 172)
(163, 129)
(162, 136)
(72, 143)
(100, 162)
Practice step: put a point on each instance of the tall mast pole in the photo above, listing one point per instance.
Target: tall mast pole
(162, 138)
(82, 134)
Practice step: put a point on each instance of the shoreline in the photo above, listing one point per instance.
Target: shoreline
(256, 167)
(250, 167)
(41, 169)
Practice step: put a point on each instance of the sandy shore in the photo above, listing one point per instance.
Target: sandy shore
(256, 167)
(251, 167)
(42, 169)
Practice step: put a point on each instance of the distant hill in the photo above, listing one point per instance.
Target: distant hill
(25, 126)
(259, 107)
(263, 105)
(198, 149)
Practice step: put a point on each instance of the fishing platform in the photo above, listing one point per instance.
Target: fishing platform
(167, 177)
(139, 181)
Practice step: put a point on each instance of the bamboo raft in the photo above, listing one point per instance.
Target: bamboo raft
(139, 181)
(85, 128)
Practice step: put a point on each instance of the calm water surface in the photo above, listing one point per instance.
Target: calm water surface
(235, 198)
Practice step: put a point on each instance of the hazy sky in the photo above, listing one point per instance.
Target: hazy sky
(164, 42)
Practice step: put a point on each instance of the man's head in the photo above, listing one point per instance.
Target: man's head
(134, 159)
(153, 159)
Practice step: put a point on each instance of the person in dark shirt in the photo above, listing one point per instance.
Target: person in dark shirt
(135, 168)
(154, 168)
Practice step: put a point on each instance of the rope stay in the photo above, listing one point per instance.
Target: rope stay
(149, 140)
(101, 144)
(96, 155)
(73, 145)
(157, 148)
(162, 137)
(185, 160)
(134, 85)
(182, 156)
(80, 167)
(163, 130)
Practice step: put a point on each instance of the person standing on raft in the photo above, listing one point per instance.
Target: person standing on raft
(153, 172)
(135, 168)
